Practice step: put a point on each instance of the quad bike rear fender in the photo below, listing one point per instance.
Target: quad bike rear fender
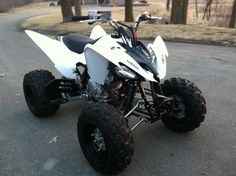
(64, 60)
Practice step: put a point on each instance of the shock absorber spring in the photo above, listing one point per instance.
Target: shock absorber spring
(130, 92)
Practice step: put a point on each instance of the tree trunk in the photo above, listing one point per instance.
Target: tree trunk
(129, 17)
(179, 12)
(168, 5)
(196, 7)
(207, 10)
(66, 10)
(185, 11)
(233, 16)
(77, 4)
(217, 2)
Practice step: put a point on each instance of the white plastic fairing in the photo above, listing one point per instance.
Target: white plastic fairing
(97, 66)
(64, 59)
(160, 53)
(107, 50)
(97, 32)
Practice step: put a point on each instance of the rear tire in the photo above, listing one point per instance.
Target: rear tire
(105, 138)
(33, 85)
(189, 107)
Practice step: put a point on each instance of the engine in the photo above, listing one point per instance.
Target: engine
(96, 91)
(102, 92)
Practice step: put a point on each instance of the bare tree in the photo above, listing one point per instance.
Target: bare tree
(66, 10)
(196, 7)
(233, 16)
(207, 10)
(5, 5)
(217, 3)
(129, 17)
(168, 5)
(77, 4)
(179, 12)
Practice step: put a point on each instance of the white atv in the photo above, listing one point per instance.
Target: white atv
(112, 73)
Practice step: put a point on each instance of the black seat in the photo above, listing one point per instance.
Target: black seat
(76, 43)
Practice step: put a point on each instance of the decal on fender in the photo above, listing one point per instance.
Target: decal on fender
(132, 64)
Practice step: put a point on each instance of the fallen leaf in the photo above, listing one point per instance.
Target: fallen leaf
(226, 43)
(53, 140)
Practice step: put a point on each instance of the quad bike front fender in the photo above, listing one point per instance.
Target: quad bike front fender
(107, 50)
(159, 54)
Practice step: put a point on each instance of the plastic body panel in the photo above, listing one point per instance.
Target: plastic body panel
(158, 48)
(108, 49)
(64, 60)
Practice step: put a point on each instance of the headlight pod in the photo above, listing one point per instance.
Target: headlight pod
(125, 72)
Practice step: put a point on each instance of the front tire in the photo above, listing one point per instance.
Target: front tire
(189, 105)
(105, 138)
(33, 85)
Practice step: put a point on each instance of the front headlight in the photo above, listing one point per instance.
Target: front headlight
(125, 72)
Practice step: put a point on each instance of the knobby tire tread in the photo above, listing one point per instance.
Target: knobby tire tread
(117, 134)
(37, 80)
(194, 102)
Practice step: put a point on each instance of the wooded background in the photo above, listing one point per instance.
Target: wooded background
(5, 5)
(179, 9)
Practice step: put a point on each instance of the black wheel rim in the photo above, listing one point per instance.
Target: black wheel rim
(94, 142)
(178, 107)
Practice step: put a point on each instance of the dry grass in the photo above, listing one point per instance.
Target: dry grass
(193, 32)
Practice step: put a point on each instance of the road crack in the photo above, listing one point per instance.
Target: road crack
(221, 61)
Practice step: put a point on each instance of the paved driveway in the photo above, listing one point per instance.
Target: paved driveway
(25, 147)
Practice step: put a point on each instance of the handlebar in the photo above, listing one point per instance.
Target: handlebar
(100, 12)
(80, 18)
(105, 16)
(155, 18)
(144, 17)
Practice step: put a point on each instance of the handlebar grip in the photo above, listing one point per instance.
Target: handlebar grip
(156, 18)
(79, 18)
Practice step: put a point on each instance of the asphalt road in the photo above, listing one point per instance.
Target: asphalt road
(25, 147)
